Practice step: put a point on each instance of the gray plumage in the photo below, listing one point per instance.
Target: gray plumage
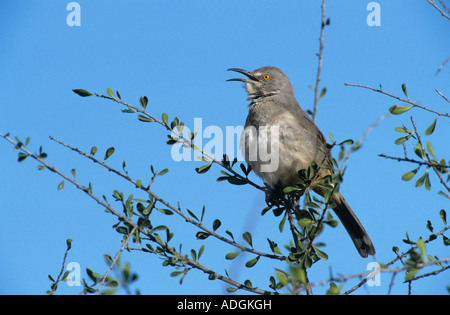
(277, 124)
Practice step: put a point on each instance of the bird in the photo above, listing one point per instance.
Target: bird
(277, 122)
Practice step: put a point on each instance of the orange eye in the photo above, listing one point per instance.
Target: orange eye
(266, 77)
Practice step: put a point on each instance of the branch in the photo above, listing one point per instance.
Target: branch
(398, 98)
(439, 9)
(54, 285)
(125, 244)
(123, 218)
(171, 207)
(187, 142)
(430, 164)
(319, 67)
(443, 96)
(399, 257)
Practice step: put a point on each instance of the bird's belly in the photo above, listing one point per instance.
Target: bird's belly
(276, 154)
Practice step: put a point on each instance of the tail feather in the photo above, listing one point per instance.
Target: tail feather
(354, 228)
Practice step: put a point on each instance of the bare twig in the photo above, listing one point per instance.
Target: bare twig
(439, 9)
(443, 96)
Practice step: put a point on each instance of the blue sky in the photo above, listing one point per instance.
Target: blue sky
(176, 53)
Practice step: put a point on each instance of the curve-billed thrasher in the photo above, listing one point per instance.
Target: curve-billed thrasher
(276, 121)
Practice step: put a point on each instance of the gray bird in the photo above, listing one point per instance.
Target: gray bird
(280, 139)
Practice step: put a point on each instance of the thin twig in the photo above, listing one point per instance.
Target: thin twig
(439, 9)
(55, 284)
(443, 96)
(319, 67)
(125, 244)
(399, 98)
(423, 163)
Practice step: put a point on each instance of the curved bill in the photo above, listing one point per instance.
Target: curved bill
(248, 74)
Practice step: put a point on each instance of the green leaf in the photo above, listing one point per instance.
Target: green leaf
(443, 216)
(304, 222)
(322, 255)
(143, 101)
(446, 240)
(232, 255)
(429, 226)
(109, 291)
(165, 211)
(404, 89)
(347, 142)
(421, 180)
(282, 222)
(203, 213)
(164, 171)
(69, 243)
(93, 150)
(203, 169)
(165, 119)
(421, 246)
(82, 93)
(61, 185)
(251, 262)
(145, 118)
(334, 289)
(192, 214)
(108, 153)
(110, 93)
(230, 234)
(216, 224)
(408, 176)
(22, 156)
(288, 190)
(397, 110)
(248, 238)
(322, 93)
(402, 129)
(420, 152)
(430, 150)
(431, 128)
(93, 275)
(401, 140)
(202, 235)
(427, 182)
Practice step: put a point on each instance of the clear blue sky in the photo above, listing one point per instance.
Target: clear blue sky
(177, 53)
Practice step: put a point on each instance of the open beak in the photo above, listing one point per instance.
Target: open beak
(248, 74)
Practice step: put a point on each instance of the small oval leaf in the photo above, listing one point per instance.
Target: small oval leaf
(397, 110)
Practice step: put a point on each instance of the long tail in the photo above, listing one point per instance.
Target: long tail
(354, 228)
